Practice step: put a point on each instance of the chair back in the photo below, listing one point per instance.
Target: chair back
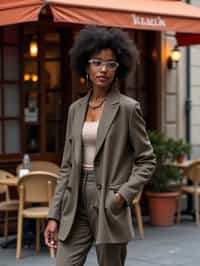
(4, 189)
(38, 186)
(41, 166)
(193, 172)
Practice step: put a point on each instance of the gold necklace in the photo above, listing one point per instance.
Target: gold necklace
(93, 106)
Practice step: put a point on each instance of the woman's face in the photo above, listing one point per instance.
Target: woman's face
(101, 68)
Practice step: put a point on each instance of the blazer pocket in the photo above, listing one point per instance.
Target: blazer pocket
(115, 187)
(112, 206)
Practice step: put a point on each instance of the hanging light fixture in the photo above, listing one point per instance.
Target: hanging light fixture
(34, 77)
(174, 57)
(82, 80)
(33, 48)
(27, 77)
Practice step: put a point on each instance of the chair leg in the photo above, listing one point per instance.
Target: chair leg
(139, 220)
(178, 215)
(52, 252)
(196, 200)
(42, 225)
(6, 225)
(37, 234)
(19, 236)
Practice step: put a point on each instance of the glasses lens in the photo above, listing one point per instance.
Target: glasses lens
(112, 64)
(95, 62)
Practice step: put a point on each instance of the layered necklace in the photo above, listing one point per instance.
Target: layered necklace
(96, 106)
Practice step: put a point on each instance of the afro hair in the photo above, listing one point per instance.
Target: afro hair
(92, 39)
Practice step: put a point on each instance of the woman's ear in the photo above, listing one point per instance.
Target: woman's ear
(87, 69)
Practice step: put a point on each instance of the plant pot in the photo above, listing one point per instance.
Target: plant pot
(162, 207)
(181, 158)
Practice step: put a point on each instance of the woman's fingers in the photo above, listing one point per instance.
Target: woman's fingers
(50, 234)
(50, 239)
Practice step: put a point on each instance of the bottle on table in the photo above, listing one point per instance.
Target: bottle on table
(26, 165)
(26, 162)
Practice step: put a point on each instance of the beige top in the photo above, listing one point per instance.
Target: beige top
(89, 136)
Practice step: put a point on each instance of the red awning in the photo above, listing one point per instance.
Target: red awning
(18, 11)
(158, 15)
(138, 14)
(184, 39)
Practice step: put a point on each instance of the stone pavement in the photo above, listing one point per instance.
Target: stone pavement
(178, 245)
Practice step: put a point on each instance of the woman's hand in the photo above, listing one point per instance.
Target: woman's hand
(50, 234)
(119, 200)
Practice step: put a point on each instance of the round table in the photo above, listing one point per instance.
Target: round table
(12, 181)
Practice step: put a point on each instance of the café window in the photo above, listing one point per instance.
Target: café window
(33, 85)
(10, 91)
(43, 92)
(31, 94)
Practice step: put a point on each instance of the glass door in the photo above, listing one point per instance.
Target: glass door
(43, 92)
(10, 91)
(31, 93)
(53, 92)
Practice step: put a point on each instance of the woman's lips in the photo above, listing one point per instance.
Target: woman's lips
(102, 78)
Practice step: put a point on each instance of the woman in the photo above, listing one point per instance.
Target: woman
(107, 156)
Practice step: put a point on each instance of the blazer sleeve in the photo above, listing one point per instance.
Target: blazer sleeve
(55, 207)
(144, 162)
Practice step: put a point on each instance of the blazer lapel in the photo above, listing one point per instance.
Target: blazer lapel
(110, 110)
(79, 121)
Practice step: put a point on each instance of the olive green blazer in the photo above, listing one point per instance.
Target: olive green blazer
(124, 161)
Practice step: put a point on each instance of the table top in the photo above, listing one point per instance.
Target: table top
(185, 164)
(12, 181)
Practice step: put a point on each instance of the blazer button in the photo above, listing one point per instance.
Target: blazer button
(99, 186)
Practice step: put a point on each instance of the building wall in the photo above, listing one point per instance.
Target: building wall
(174, 87)
(195, 94)
(173, 90)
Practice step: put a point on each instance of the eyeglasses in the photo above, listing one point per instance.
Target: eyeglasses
(97, 63)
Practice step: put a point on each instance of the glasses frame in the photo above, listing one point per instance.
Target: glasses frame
(103, 63)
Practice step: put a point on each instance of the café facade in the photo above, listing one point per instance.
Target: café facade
(36, 82)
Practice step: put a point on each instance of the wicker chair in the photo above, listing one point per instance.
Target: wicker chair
(35, 187)
(138, 214)
(7, 205)
(192, 172)
(41, 166)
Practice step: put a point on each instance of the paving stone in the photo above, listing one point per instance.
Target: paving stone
(176, 245)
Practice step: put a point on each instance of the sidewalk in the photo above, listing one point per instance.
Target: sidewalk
(176, 245)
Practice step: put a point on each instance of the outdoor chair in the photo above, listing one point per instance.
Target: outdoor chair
(7, 205)
(41, 166)
(138, 213)
(37, 187)
(192, 173)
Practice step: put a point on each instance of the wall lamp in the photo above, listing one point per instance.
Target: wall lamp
(174, 58)
(30, 77)
(33, 49)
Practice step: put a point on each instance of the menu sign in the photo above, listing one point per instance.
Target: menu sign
(149, 21)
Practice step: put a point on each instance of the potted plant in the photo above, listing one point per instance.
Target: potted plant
(163, 190)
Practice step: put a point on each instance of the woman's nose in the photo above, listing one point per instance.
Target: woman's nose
(103, 67)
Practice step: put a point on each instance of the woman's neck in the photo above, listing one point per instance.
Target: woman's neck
(99, 93)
